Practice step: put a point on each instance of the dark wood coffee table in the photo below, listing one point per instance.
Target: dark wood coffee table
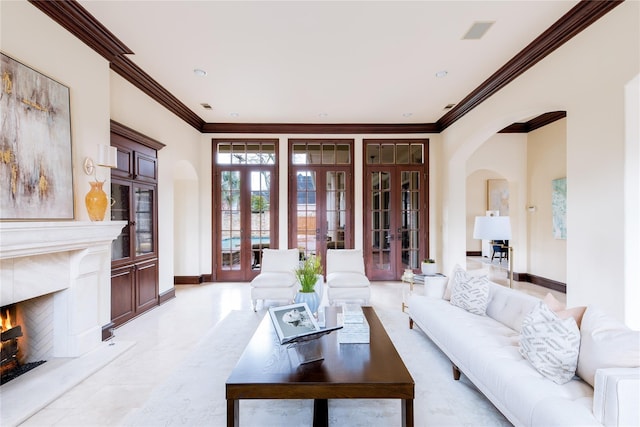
(267, 370)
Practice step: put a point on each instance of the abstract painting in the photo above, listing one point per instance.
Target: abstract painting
(498, 196)
(36, 179)
(559, 207)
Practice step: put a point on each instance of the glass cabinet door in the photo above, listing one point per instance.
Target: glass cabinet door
(143, 200)
(120, 211)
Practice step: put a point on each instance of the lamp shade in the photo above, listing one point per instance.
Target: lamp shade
(492, 228)
(107, 156)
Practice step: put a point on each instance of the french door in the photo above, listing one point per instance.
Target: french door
(245, 203)
(396, 209)
(321, 195)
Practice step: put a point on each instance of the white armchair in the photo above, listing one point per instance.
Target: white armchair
(277, 280)
(346, 280)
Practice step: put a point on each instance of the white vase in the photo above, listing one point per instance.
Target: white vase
(429, 268)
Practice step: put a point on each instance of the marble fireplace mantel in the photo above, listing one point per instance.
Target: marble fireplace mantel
(63, 270)
(19, 239)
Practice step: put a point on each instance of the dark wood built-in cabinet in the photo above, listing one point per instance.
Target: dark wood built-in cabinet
(134, 255)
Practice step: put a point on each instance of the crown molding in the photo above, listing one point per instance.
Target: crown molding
(573, 22)
(315, 128)
(78, 21)
(535, 123)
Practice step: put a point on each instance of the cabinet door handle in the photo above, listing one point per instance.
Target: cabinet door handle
(132, 223)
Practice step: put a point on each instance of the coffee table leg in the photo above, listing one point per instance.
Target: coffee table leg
(233, 413)
(407, 412)
(320, 413)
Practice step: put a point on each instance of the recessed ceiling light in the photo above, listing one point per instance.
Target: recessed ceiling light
(407, 114)
(442, 73)
(449, 106)
(234, 114)
(199, 72)
(206, 106)
(323, 115)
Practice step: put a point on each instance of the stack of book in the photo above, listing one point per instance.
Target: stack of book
(355, 328)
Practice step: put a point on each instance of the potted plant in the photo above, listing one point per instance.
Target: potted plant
(429, 267)
(309, 274)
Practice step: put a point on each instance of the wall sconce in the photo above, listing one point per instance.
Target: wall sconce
(107, 157)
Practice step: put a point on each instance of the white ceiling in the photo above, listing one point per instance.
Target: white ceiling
(322, 61)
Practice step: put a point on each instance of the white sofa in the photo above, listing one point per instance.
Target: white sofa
(486, 349)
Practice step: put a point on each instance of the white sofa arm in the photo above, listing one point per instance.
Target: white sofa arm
(616, 395)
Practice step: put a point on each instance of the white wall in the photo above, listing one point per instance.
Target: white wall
(632, 202)
(586, 78)
(32, 38)
(547, 160)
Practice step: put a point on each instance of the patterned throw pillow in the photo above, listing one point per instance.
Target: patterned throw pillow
(471, 294)
(550, 344)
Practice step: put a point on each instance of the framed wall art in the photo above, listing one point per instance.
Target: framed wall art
(559, 207)
(498, 196)
(36, 174)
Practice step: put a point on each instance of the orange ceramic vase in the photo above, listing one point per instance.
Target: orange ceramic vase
(96, 201)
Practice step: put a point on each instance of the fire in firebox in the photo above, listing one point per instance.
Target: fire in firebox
(10, 334)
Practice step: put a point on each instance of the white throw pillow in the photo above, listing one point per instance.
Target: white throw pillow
(550, 344)
(606, 343)
(471, 294)
(460, 274)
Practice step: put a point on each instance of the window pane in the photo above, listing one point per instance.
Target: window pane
(387, 154)
(373, 154)
(328, 154)
(268, 154)
(238, 153)
(402, 154)
(343, 154)
(314, 154)
(416, 153)
(224, 154)
(299, 154)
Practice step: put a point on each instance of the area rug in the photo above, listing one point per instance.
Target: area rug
(194, 395)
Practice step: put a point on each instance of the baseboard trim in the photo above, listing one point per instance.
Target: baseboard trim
(166, 296)
(540, 281)
(187, 280)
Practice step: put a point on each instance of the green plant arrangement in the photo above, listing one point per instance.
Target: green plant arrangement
(429, 261)
(307, 273)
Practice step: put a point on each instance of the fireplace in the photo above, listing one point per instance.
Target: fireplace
(21, 347)
(63, 271)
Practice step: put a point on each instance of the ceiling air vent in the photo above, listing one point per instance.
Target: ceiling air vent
(478, 30)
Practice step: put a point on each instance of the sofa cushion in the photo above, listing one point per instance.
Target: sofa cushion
(347, 280)
(550, 344)
(345, 260)
(274, 279)
(601, 334)
(471, 294)
(458, 273)
(279, 260)
(562, 311)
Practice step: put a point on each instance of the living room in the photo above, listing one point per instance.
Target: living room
(595, 85)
